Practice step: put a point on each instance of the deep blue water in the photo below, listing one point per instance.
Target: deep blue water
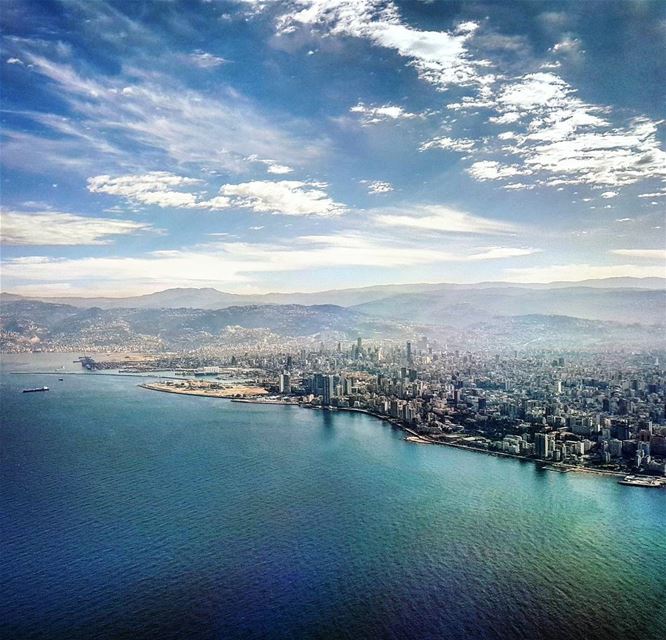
(128, 513)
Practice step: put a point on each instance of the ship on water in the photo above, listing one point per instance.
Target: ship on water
(634, 481)
(35, 389)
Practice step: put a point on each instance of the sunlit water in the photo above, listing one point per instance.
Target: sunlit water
(128, 513)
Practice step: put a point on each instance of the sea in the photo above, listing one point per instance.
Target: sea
(129, 513)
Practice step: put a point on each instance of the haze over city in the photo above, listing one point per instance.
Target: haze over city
(305, 145)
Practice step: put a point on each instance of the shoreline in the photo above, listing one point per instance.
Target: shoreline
(225, 394)
(415, 438)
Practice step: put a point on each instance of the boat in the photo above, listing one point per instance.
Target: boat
(634, 481)
(35, 389)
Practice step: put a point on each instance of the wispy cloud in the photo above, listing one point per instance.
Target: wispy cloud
(443, 219)
(239, 263)
(206, 60)
(271, 166)
(59, 228)
(449, 144)
(493, 170)
(139, 116)
(374, 115)
(378, 186)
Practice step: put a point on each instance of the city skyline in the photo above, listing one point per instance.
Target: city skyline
(310, 145)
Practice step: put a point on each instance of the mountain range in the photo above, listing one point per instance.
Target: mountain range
(27, 324)
(625, 300)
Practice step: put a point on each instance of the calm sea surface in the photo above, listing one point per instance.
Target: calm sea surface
(128, 513)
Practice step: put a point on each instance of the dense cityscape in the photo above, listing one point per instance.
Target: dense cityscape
(577, 410)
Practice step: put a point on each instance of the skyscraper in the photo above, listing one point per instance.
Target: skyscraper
(328, 390)
(542, 445)
(285, 383)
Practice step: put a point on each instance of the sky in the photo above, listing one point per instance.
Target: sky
(303, 145)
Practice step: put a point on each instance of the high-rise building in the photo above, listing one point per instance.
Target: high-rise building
(542, 445)
(409, 353)
(317, 384)
(348, 385)
(285, 383)
(329, 390)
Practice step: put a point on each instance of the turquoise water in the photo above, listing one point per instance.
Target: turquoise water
(128, 513)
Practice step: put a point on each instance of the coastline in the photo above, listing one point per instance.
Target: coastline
(415, 438)
(228, 393)
(412, 436)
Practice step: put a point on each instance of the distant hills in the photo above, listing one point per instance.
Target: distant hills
(564, 298)
(624, 311)
(26, 324)
(458, 307)
(25, 320)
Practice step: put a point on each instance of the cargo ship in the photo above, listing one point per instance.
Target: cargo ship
(633, 481)
(35, 389)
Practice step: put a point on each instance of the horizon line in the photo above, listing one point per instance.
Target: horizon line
(371, 286)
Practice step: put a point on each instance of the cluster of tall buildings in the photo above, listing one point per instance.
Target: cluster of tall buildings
(604, 409)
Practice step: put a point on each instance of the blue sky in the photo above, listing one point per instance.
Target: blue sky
(312, 144)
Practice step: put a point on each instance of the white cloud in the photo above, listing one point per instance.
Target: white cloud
(654, 194)
(153, 188)
(278, 169)
(508, 117)
(560, 139)
(647, 254)
(288, 197)
(452, 144)
(534, 90)
(519, 186)
(492, 170)
(271, 166)
(384, 113)
(501, 253)
(378, 186)
(439, 57)
(206, 60)
(15, 61)
(443, 219)
(218, 202)
(570, 48)
(59, 228)
(609, 194)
